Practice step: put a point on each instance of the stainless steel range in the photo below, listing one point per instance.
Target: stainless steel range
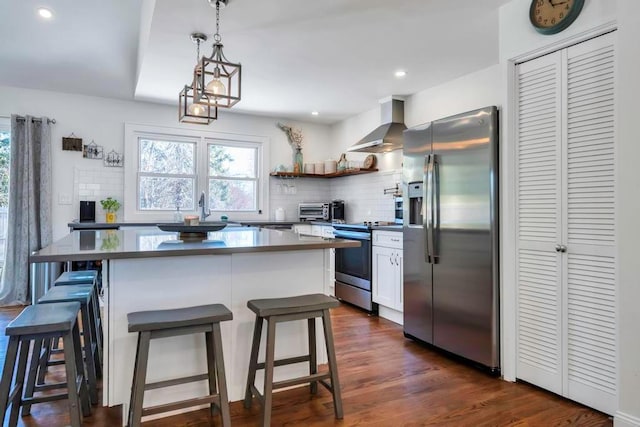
(353, 266)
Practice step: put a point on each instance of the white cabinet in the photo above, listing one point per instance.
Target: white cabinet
(387, 274)
(329, 254)
(566, 248)
(303, 229)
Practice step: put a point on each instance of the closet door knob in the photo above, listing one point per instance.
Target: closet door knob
(558, 248)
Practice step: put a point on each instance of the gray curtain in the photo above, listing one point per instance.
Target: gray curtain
(29, 218)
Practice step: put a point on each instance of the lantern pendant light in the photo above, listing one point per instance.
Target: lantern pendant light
(219, 80)
(192, 107)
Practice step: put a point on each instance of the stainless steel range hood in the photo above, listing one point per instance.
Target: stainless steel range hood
(388, 136)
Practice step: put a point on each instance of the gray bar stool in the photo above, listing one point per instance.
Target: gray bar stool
(276, 310)
(85, 277)
(84, 295)
(170, 323)
(36, 323)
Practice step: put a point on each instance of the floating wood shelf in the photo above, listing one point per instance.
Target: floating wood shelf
(329, 175)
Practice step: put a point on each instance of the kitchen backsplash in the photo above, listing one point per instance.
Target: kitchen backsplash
(363, 195)
(97, 184)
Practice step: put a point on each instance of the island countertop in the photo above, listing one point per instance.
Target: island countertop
(84, 245)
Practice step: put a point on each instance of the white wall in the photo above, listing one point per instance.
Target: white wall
(629, 206)
(364, 193)
(519, 40)
(102, 120)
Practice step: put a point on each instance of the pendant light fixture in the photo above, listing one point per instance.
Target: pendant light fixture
(219, 80)
(192, 106)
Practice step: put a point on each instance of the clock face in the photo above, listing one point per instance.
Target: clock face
(553, 16)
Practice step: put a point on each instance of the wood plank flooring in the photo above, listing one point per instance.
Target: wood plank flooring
(387, 380)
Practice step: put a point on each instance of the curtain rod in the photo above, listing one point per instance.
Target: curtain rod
(36, 120)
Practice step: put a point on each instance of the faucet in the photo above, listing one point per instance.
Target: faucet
(203, 212)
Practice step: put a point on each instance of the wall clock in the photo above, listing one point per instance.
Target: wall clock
(553, 16)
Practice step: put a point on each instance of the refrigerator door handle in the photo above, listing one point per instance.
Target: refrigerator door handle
(428, 207)
(435, 207)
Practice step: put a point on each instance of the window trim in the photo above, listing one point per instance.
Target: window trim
(257, 179)
(133, 131)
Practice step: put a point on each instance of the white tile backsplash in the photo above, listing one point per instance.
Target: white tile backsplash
(363, 195)
(97, 184)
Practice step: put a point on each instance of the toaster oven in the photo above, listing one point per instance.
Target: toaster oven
(314, 211)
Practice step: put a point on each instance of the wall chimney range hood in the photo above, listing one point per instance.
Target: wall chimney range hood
(388, 136)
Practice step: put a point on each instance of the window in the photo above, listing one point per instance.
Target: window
(233, 176)
(5, 153)
(166, 174)
(168, 168)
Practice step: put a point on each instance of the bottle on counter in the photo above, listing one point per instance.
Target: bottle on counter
(177, 215)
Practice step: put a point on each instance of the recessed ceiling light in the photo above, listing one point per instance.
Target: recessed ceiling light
(400, 73)
(314, 113)
(45, 13)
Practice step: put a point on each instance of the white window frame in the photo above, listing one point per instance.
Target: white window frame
(240, 144)
(202, 138)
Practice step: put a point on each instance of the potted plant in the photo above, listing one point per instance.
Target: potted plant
(110, 206)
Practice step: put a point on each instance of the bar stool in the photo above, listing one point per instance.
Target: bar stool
(84, 295)
(36, 323)
(276, 310)
(84, 277)
(170, 323)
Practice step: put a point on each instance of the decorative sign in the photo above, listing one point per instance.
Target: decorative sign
(72, 143)
(114, 159)
(92, 151)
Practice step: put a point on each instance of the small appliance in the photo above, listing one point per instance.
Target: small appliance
(87, 211)
(314, 211)
(337, 211)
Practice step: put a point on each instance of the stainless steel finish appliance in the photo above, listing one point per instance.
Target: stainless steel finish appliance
(353, 267)
(397, 208)
(451, 276)
(388, 136)
(337, 210)
(312, 211)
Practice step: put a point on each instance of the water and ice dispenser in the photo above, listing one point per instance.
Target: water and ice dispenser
(415, 191)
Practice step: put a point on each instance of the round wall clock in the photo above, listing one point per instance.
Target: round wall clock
(553, 16)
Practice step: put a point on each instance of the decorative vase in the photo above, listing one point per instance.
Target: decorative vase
(111, 217)
(297, 161)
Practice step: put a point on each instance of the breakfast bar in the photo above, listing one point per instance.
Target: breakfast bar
(149, 269)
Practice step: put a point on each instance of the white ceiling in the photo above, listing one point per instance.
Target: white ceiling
(333, 56)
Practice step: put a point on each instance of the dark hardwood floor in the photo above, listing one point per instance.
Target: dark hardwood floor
(386, 379)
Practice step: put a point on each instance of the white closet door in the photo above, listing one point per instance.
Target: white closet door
(590, 225)
(539, 190)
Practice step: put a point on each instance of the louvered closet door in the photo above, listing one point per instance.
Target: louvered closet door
(538, 222)
(590, 225)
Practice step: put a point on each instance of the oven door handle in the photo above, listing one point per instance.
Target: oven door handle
(354, 235)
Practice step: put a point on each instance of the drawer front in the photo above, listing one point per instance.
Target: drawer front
(390, 239)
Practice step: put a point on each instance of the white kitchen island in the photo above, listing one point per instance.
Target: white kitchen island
(146, 269)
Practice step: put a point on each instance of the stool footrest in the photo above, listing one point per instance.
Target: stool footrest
(176, 381)
(288, 361)
(43, 399)
(158, 409)
(301, 380)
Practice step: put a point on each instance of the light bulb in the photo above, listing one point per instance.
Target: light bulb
(196, 109)
(216, 87)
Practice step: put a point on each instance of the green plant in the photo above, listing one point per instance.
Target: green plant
(110, 205)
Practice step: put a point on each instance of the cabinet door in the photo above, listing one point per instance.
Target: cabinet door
(590, 225)
(538, 222)
(399, 284)
(384, 276)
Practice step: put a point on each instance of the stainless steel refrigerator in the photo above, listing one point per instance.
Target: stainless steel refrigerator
(451, 276)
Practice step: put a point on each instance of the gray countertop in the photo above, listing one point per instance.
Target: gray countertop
(150, 242)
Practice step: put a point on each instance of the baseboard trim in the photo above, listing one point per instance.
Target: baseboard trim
(625, 420)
